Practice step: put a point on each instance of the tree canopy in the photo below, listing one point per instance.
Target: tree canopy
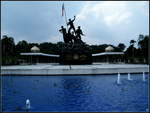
(11, 52)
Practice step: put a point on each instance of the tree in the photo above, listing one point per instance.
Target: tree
(60, 44)
(22, 46)
(132, 42)
(8, 46)
(141, 53)
(121, 46)
(8, 50)
(130, 53)
(98, 48)
(46, 47)
(33, 44)
(143, 46)
(140, 39)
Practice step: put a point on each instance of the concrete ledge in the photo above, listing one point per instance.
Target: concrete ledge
(75, 70)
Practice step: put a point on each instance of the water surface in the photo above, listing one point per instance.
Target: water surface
(95, 93)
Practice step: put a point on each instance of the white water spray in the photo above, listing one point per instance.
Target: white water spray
(144, 77)
(129, 76)
(118, 80)
(28, 104)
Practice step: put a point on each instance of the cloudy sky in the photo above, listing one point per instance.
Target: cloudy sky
(109, 22)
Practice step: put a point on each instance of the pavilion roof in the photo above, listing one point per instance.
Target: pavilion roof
(39, 54)
(108, 53)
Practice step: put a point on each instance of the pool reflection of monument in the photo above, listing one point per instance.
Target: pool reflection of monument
(74, 51)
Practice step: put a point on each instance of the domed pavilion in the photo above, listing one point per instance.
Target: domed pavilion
(35, 49)
(35, 56)
(109, 56)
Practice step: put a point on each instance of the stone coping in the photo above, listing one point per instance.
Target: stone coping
(56, 69)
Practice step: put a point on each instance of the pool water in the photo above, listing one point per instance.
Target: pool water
(92, 93)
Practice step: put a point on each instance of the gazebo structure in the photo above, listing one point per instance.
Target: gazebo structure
(35, 56)
(109, 49)
(35, 49)
(109, 56)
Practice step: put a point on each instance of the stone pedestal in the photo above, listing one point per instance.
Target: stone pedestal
(76, 54)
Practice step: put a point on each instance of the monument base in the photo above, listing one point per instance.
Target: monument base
(76, 54)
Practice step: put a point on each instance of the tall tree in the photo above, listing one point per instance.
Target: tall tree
(143, 47)
(132, 42)
(8, 50)
(8, 46)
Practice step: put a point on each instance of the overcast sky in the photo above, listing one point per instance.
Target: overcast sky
(103, 22)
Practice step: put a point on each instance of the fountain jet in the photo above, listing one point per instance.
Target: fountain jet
(28, 104)
(129, 77)
(118, 80)
(144, 77)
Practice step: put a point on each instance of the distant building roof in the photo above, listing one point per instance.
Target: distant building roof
(108, 53)
(109, 49)
(39, 54)
(35, 49)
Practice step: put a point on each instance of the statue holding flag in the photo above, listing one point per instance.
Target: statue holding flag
(71, 24)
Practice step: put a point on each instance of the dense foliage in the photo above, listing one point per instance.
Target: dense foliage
(11, 51)
(141, 52)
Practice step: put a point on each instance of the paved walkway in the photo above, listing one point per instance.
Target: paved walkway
(56, 69)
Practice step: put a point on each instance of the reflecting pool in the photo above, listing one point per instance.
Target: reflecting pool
(93, 93)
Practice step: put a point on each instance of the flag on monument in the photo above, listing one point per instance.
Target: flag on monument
(63, 8)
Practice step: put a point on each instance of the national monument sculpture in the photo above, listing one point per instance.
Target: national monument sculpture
(75, 51)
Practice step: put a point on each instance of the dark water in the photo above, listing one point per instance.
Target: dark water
(75, 93)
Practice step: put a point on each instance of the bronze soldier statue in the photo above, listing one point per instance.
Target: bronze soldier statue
(79, 33)
(63, 31)
(71, 24)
